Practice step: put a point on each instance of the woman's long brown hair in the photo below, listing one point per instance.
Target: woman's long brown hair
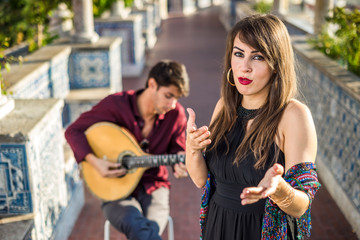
(267, 34)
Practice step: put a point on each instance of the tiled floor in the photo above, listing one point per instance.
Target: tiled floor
(198, 41)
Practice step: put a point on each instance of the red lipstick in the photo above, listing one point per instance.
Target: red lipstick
(244, 81)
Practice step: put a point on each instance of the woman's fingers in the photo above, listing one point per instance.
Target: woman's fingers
(249, 201)
(200, 137)
(278, 169)
(191, 126)
(252, 192)
(196, 137)
(251, 195)
(266, 187)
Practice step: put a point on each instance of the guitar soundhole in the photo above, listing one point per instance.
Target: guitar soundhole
(124, 158)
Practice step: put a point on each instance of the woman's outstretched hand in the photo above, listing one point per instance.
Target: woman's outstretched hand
(197, 138)
(267, 186)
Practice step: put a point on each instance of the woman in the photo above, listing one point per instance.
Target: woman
(258, 132)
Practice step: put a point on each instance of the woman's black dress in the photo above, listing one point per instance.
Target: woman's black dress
(227, 219)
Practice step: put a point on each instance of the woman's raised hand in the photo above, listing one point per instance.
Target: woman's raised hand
(197, 138)
(267, 186)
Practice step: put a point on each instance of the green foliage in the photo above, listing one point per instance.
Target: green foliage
(5, 63)
(128, 3)
(262, 7)
(19, 20)
(344, 44)
(100, 6)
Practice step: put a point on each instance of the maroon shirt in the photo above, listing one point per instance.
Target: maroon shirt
(166, 137)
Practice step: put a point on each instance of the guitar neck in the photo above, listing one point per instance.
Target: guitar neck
(130, 162)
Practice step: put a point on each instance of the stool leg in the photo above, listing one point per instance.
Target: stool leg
(107, 230)
(170, 228)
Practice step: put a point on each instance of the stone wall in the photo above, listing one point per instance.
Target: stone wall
(333, 96)
(38, 172)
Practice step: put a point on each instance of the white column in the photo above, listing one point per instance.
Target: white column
(118, 9)
(84, 22)
(280, 7)
(321, 11)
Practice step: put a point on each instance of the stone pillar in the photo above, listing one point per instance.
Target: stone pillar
(118, 9)
(163, 5)
(280, 7)
(138, 4)
(61, 22)
(321, 11)
(32, 169)
(83, 22)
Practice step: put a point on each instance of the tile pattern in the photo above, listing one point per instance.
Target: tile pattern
(72, 177)
(34, 178)
(130, 31)
(89, 69)
(15, 195)
(33, 168)
(96, 67)
(46, 74)
(36, 86)
(46, 168)
(76, 108)
(59, 76)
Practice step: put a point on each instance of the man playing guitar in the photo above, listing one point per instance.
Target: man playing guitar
(158, 122)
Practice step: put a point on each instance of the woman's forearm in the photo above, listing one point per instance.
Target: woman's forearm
(196, 167)
(292, 201)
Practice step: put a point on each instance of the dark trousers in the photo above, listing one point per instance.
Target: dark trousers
(141, 218)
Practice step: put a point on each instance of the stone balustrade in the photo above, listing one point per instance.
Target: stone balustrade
(38, 171)
(133, 44)
(42, 75)
(148, 24)
(333, 96)
(32, 164)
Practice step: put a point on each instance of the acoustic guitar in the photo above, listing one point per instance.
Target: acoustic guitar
(116, 144)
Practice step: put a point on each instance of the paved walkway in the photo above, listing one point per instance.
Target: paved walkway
(199, 42)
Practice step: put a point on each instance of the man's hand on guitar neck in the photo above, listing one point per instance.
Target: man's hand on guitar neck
(105, 168)
(180, 168)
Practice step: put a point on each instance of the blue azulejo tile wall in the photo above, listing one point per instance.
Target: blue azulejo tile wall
(96, 66)
(335, 105)
(15, 195)
(133, 44)
(89, 70)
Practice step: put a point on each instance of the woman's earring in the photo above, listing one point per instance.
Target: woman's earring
(228, 78)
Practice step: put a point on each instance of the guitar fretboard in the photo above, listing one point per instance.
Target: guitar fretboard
(130, 162)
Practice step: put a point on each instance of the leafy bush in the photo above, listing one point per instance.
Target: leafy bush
(100, 6)
(344, 44)
(5, 63)
(262, 7)
(21, 21)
